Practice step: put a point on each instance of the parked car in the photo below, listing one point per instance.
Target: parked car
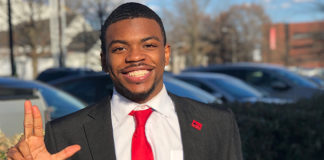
(319, 81)
(89, 88)
(227, 88)
(93, 87)
(184, 89)
(56, 73)
(60, 103)
(273, 80)
(12, 108)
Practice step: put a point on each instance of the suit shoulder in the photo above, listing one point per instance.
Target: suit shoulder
(79, 116)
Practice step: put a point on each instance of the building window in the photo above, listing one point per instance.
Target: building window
(309, 35)
(303, 46)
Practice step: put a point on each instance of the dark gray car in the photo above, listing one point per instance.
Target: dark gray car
(270, 79)
(227, 88)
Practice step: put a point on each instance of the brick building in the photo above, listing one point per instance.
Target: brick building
(295, 44)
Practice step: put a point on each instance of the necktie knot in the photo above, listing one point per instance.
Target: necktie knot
(141, 116)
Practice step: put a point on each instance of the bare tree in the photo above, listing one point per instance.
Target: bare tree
(186, 27)
(236, 33)
(96, 11)
(220, 36)
(31, 34)
(229, 37)
(249, 21)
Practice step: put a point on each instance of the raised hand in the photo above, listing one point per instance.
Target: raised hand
(32, 146)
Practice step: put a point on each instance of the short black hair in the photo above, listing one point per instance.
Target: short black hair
(129, 11)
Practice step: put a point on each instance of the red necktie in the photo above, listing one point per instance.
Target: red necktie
(141, 149)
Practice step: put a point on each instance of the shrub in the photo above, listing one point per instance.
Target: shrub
(6, 143)
(290, 131)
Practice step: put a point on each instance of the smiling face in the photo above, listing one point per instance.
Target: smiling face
(135, 58)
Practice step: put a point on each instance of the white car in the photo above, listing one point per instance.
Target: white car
(12, 108)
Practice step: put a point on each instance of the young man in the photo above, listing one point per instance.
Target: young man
(141, 120)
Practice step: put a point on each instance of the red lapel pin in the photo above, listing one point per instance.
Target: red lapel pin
(196, 125)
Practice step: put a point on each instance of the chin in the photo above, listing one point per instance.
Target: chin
(136, 96)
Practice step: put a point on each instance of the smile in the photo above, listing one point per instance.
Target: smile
(138, 73)
(137, 76)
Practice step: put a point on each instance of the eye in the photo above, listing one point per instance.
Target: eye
(150, 45)
(118, 49)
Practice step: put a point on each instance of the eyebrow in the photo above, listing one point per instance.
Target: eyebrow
(117, 41)
(126, 43)
(149, 38)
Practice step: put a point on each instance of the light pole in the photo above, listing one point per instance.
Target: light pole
(57, 29)
(12, 58)
(62, 26)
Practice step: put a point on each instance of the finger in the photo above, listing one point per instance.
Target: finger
(38, 123)
(28, 120)
(21, 138)
(24, 150)
(67, 152)
(13, 153)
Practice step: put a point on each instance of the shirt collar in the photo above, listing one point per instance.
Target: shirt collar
(121, 106)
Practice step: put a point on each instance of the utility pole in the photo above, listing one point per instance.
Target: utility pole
(57, 29)
(54, 32)
(234, 54)
(12, 58)
(287, 45)
(62, 26)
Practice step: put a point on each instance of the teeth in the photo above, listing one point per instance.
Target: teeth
(138, 73)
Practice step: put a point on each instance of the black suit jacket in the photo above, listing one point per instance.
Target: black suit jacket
(91, 128)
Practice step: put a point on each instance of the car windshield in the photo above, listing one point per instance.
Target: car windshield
(235, 87)
(62, 103)
(299, 80)
(184, 89)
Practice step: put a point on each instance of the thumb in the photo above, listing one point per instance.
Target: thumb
(67, 152)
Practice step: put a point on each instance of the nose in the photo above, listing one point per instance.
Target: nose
(135, 55)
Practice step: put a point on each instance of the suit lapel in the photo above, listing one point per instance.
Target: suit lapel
(189, 135)
(99, 133)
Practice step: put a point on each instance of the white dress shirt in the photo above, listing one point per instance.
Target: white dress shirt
(162, 128)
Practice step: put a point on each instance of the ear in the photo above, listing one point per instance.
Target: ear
(167, 53)
(104, 64)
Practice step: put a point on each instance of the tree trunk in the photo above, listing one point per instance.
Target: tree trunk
(34, 64)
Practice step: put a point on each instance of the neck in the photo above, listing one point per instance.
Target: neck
(139, 98)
